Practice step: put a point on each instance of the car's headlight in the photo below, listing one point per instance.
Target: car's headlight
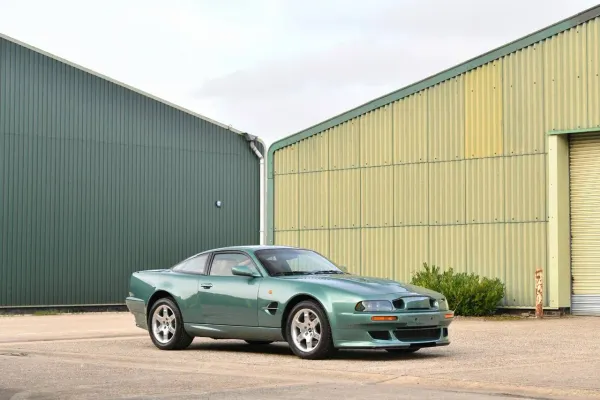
(374, 305)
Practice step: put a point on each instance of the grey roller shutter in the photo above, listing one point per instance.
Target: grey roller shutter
(585, 223)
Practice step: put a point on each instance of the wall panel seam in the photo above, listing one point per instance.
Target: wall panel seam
(427, 162)
(394, 169)
(542, 48)
(465, 191)
(360, 221)
(427, 137)
(299, 195)
(516, 222)
(586, 62)
(503, 152)
(329, 194)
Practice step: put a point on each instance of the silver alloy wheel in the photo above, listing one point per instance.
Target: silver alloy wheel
(306, 330)
(163, 324)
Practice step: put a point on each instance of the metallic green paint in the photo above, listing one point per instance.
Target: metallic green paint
(235, 331)
(255, 308)
(230, 300)
(433, 80)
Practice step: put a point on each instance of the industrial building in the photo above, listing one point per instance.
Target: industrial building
(98, 179)
(491, 167)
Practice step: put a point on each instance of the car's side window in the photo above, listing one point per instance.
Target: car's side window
(196, 265)
(223, 263)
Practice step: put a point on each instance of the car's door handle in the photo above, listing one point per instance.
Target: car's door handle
(206, 285)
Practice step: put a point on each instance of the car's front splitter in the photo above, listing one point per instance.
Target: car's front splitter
(383, 346)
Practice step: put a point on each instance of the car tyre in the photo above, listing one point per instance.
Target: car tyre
(165, 325)
(309, 338)
(258, 342)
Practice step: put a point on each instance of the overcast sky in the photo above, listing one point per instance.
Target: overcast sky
(274, 67)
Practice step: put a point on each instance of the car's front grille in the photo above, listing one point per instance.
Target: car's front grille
(418, 334)
(380, 335)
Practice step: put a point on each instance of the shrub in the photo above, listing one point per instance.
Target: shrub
(467, 294)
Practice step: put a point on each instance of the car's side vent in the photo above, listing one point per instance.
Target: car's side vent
(272, 307)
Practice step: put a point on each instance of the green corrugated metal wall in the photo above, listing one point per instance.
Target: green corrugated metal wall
(97, 181)
(450, 171)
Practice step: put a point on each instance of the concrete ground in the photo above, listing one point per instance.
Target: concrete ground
(104, 356)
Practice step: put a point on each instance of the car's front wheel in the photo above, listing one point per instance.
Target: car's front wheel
(308, 331)
(166, 326)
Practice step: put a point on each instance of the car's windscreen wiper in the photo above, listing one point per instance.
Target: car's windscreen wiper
(291, 273)
(331, 271)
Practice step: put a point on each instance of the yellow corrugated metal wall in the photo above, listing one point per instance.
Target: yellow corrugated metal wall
(454, 175)
(593, 81)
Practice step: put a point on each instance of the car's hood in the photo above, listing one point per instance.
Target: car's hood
(364, 286)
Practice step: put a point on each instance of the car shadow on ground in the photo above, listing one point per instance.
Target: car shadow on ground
(283, 349)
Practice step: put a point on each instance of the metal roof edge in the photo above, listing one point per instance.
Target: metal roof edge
(452, 72)
(116, 82)
(573, 131)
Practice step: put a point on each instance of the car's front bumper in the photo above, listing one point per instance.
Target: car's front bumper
(409, 330)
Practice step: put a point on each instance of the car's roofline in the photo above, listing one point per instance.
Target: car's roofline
(247, 248)
(250, 248)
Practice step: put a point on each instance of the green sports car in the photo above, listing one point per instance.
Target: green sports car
(265, 294)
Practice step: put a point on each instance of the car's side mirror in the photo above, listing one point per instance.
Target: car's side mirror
(243, 270)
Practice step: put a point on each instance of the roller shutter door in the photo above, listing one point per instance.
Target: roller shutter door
(584, 160)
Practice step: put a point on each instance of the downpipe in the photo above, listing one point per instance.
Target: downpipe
(253, 139)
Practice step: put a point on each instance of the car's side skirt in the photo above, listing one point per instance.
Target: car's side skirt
(235, 332)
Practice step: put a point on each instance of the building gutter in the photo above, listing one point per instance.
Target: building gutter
(253, 140)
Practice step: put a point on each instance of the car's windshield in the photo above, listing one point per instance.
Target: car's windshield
(289, 261)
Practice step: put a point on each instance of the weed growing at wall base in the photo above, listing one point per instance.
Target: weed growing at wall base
(467, 294)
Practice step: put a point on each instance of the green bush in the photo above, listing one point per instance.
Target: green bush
(467, 294)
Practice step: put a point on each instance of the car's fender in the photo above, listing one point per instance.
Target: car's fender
(148, 286)
(277, 297)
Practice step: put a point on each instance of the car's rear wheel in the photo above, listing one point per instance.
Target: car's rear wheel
(258, 342)
(308, 331)
(166, 326)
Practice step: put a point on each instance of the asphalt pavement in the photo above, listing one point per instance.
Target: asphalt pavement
(104, 356)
